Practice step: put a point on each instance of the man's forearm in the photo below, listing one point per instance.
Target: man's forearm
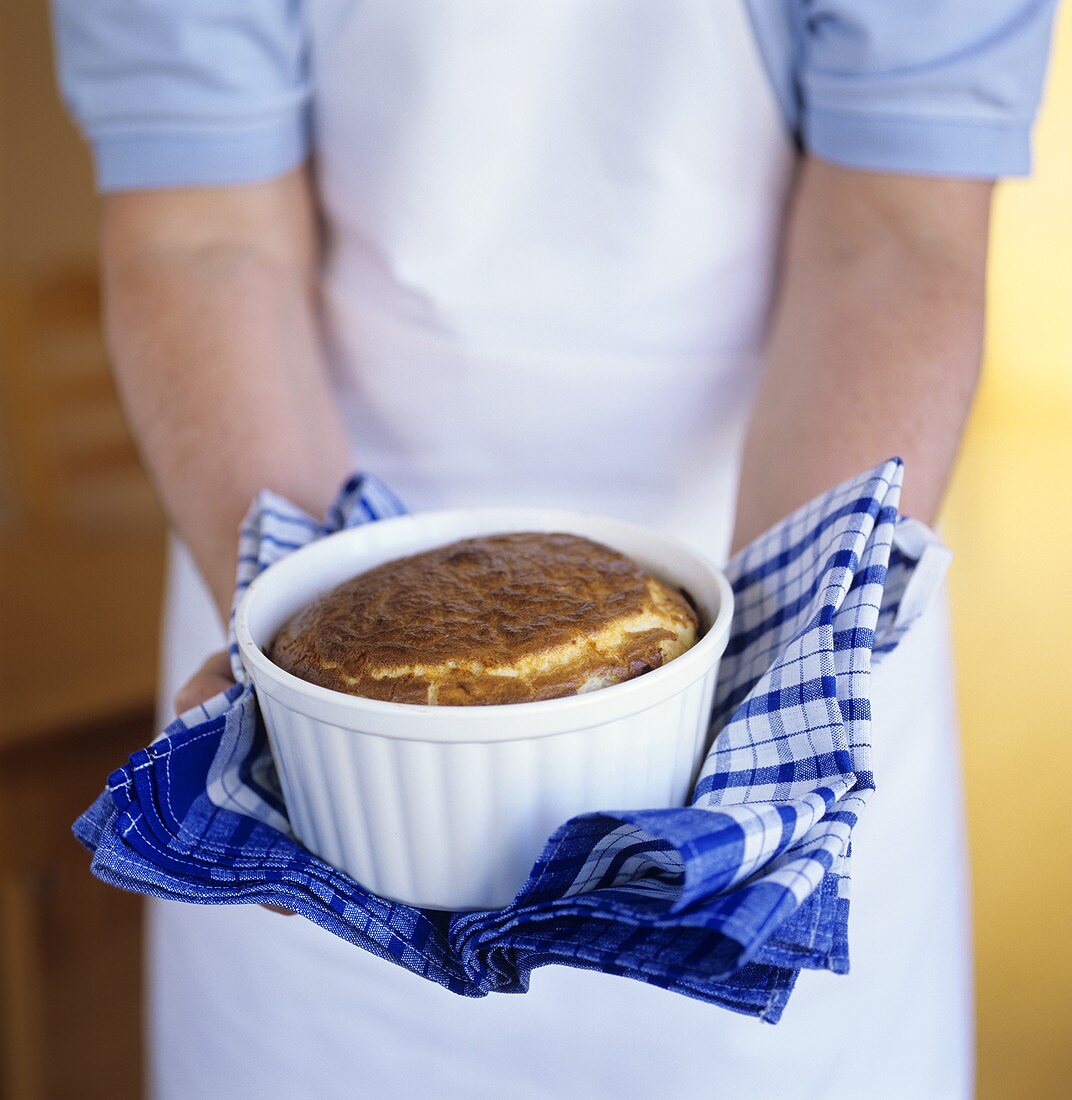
(875, 342)
(212, 328)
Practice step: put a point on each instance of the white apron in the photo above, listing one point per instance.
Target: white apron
(553, 231)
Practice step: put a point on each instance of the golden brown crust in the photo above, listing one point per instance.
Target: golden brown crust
(496, 619)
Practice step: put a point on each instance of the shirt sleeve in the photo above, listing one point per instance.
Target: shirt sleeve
(945, 87)
(175, 94)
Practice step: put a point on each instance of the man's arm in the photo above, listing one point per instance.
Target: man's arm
(209, 307)
(876, 339)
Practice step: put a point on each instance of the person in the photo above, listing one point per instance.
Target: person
(686, 263)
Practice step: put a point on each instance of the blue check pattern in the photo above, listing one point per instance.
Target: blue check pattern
(726, 899)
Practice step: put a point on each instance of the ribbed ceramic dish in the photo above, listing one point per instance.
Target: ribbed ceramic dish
(449, 807)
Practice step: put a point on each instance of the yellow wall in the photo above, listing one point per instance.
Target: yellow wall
(1008, 521)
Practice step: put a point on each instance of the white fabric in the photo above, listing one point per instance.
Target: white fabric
(554, 231)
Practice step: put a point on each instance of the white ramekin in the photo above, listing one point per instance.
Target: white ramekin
(449, 807)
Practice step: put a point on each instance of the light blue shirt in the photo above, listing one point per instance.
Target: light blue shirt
(193, 92)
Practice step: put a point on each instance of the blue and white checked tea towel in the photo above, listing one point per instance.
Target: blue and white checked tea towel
(726, 899)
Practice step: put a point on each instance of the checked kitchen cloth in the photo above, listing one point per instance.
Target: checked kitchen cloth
(725, 900)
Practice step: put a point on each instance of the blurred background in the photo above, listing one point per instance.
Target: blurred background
(81, 555)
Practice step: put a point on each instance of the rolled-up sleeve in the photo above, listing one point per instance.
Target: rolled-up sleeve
(947, 87)
(197, 92)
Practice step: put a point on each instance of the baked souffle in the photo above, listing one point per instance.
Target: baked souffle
(510, 618)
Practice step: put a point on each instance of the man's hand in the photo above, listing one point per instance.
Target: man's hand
(875, 342)
(210, 679)
(210, 310)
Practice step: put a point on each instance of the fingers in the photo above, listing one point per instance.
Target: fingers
(210, 679)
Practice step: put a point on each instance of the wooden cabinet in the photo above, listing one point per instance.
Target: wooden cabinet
(81, 560)
(81, 539)
(70, 947)
(81, 563)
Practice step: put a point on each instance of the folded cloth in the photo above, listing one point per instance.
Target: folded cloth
(725, 900)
